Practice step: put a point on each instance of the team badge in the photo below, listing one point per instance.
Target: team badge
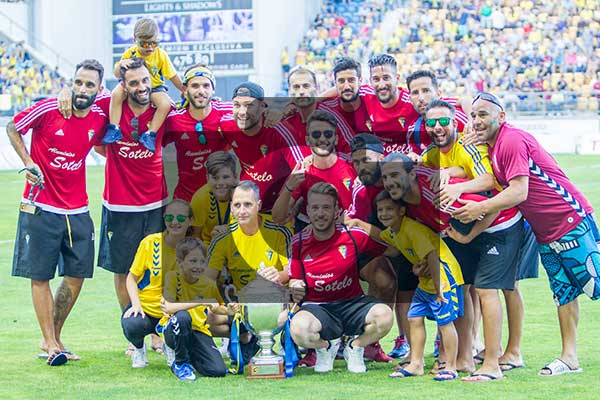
(90, 134)
(369, 125)
(308, 258)
(347, 183)
(411, 252)
(270, 254)
(109, 234)
(343, 250)
(234, 144)
(154, 71)
(263, 150)
(401, 121)
(236, 254)
(185, 136)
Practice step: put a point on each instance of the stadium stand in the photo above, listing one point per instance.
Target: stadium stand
(539, 56)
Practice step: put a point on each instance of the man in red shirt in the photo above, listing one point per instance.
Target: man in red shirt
(54, 224)
(267, 155)
(324, 276)
(135, 189)
(325, 166)
(195, 130)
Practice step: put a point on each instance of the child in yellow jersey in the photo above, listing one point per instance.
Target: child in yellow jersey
(188, 296)
(145, 36)
(439, 293)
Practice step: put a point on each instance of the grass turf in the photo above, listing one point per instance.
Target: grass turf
(93, 331)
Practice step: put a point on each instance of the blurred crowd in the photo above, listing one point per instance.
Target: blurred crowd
(505, 46)
(23, 80)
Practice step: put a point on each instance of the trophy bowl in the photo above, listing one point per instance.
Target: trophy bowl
(264, 302)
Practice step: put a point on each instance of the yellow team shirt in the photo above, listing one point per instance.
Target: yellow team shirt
(158, 62)
(242, 254)
(474, 160)
(415, 241)
(177, 289)
(208, 212)
(148, 266)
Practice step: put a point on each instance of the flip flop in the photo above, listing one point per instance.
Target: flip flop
(70, 355)
(58, 359)
(508, 366)
(478, 377)
(400, 365)
(445, 375)
(478, 359)
(437, 367)
(401, 373)
(158, 349)
(559, 367)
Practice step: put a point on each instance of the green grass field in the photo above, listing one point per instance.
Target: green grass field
(93, 331)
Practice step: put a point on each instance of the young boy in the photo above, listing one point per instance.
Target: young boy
(210, 203)
(439, 293)
(188, 296)
(145, 36)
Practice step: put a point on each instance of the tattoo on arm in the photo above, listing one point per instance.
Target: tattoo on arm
(62, 303)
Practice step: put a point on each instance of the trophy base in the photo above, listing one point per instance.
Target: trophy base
(266, 369)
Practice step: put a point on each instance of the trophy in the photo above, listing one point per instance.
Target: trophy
(264, 300)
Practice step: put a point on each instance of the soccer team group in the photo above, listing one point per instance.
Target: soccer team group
(438, 204)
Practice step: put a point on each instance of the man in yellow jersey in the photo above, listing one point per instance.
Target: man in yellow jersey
(210, 203)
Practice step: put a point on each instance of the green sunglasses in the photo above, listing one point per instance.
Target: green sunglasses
(171, 217)
(444, 121)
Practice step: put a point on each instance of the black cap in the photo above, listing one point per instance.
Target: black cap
(366, 141)
(249, 89)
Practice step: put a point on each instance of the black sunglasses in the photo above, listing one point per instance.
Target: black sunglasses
(135, 123)
(317, 134)
(200, 128)
(488, 97)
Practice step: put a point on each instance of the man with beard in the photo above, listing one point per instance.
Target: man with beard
(303, 91)
(267, 155)
(389, 106)
(423, 89)
(324, 276)
(560, 216)
(54, 224)
(367, 153)
(325, 166)
(347, 103)
(135, 189)
(496, 240)
(195, 130)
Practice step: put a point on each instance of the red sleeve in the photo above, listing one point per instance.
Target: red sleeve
(103, 101)
(366, 244)
(513, 158)
(360, 207)
(34, 116)
(295, 268)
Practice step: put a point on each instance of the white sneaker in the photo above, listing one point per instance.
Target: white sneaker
(224, 349)
(354, 359)
(325, 358)
(169, 354)
(138, 358)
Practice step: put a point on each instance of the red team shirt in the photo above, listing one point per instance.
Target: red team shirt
(134, 178)
(390, 124)
(427, 213)
(331, 266)
(180, 129)
(554, 206)
(357, 120)
(59, 147)
(363, 200)
(267, 158)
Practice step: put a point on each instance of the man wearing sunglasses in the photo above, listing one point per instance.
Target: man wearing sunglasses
(325, 166)
(560, 216)
(448, 153)
(267, 155)
(135, 189)
(195, 130)
(54, 224)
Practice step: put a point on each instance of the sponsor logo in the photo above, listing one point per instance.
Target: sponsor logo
(322, 286)
(138, 154)
(397, 148)
(185, 136)
(264, 177)
(493, 251)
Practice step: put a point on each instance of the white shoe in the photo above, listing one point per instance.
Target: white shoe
(224, 349)
(354, 359)
(325, 357)
(138, 358)
(169, 354)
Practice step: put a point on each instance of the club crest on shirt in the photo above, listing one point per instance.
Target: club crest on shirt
(109, 234)
(269, 254)
(343, 250)
(185, 136)
(369, 125)
(264, 149)
(347, 182)
(236, 254)
(308, 258)
(402, 121)
(90, 134)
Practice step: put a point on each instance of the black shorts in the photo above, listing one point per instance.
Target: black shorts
(45, 240)
(345, 317)
(467, 257)
(121, 234)
(529, 256)
(499, 256)
(407, 281)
